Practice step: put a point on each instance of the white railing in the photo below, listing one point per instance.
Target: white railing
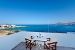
(9, 42)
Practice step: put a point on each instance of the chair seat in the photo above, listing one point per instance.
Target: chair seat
(53, 45)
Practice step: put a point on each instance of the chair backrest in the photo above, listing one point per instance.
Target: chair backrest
(55, 43)
(48, 39)
(26, 39)
(31, 37)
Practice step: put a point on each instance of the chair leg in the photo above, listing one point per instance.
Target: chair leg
(52, 48)
(34, 43)
(48, 48)
(31, 45)
(27, 46)
(45, 46)
(55, 47)
(30, 48)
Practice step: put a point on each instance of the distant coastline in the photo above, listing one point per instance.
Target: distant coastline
(5, 31)
(9, 26)
(53, 28)
(67, 23)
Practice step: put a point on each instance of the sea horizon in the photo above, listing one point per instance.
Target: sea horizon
(45, 28)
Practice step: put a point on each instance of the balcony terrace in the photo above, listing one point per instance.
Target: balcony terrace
(17, 41)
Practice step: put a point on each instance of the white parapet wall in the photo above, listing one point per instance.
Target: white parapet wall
(63, 39)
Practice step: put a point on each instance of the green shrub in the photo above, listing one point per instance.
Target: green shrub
(9, 33)
(17, 31)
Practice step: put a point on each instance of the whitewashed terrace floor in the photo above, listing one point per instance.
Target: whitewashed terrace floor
(21, 46)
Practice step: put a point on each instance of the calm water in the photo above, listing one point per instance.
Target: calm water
(44, 28)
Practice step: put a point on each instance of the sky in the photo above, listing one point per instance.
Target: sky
(36, 11)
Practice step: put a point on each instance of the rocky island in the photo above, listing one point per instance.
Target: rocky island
(66, 23)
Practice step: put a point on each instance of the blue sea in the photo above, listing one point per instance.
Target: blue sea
(46, 28)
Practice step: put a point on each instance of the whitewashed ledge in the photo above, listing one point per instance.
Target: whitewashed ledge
(70, 32)
(63, 39)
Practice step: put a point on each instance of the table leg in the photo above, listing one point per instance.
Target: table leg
(39, 46)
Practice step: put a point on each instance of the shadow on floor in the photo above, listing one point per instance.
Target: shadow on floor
(21, 46)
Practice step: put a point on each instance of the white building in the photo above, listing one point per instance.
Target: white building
(4, 25)
(13, 25)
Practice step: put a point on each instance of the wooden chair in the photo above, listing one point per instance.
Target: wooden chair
(48, 39)
(34, 41)
(51, 46)
(30, 43)
(27, 42)
(45, 47)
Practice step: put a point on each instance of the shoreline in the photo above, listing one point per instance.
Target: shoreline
(7, 32)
